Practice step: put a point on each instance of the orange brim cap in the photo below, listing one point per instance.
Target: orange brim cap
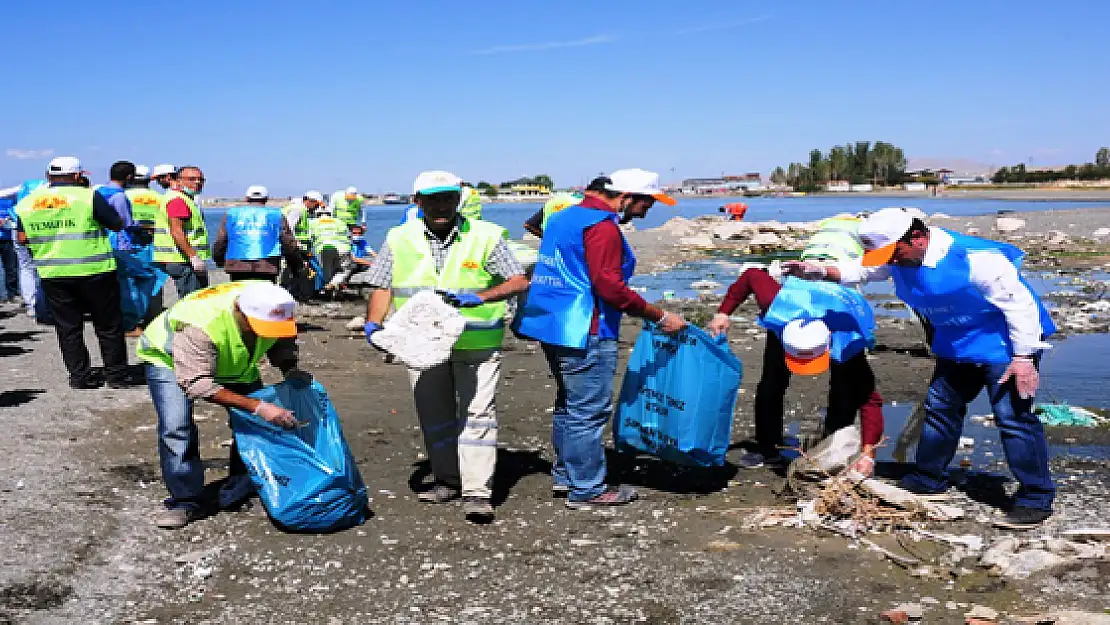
(878, 257)
(664, 198)
(808, 366)
(284, 329)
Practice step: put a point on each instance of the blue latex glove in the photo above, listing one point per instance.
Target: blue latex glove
(461, 300)
(370, 328)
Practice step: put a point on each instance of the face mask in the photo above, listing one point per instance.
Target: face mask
(189, 192)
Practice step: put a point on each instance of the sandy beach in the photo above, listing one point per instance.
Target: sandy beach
(81, 479)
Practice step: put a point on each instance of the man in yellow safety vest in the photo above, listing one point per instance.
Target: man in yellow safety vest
(470, 263)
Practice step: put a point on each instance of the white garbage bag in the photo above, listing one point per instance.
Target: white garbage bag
(422, 332)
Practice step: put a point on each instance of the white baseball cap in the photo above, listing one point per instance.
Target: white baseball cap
(807, 346)
(63, 166)
(314, 195)
(351, 191)
(163, 170)
(257, 192)
(269, 310)
(640, 182)
(142, 172)
(436, 181)
(880, 232)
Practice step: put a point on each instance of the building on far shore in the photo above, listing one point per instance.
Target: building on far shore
(749, 182)
(527, 189)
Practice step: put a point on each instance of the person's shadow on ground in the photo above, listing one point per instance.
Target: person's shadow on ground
(661, 475)
(512, 467)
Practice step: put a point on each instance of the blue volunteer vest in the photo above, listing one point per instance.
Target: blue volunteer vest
(119, 240)
(359, 248)
(561, 300)
(7, 215)
(253, 232)
(968, 327)
(849, 318)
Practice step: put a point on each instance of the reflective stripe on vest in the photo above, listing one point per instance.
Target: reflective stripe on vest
(329, 232)
(464, 271)
(212, 311)
(63, 235)
(165, 249)
(837, 241)
(472, 205)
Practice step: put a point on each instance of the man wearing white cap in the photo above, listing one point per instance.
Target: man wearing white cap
(165, 175)
(298, 212)
(64, 225)
(579, 292)
(208, 346)
(989, 331)
(811, 327)
(469, 263)
(346, 206)
(253, 238)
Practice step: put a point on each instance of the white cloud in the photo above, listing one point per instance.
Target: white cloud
(29, 155)
(549, 45)
(708, 28)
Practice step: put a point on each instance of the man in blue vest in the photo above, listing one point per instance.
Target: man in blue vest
(253, 238)
(989, 332)
(578, 293)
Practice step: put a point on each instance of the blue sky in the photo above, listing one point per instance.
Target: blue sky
(322, 94)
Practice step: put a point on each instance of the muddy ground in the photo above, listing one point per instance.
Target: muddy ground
(81, 481)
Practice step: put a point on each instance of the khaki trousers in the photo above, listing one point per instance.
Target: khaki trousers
(455, 402)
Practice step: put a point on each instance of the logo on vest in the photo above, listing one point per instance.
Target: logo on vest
(469, 264)
(47, 202)
(145, 200)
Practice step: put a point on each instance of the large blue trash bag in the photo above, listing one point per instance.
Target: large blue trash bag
(305, 476)
(678, 397)
(140, 281)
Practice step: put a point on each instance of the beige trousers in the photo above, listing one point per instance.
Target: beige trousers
(455, 402)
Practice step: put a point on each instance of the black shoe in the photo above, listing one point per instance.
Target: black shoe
(477, 509)
(127, 381)
(86, 383)
(1023, 518)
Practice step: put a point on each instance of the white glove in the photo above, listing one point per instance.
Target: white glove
(199, 265)
(275, 414)
(1025, 376)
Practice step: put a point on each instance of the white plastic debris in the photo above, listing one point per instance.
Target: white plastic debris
(422, 332)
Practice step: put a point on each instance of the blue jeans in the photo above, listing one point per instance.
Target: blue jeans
(179, 445)
(583, 405)
(9, 270)
(953, 387)
(185, 279)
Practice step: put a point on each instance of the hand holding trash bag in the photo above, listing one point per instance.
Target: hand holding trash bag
(275, 414)
(718, 325)
(671, 323)
(461, 300)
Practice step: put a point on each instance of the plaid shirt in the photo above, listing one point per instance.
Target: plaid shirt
(502, 263)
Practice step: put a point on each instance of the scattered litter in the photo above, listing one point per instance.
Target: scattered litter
(1063, 414)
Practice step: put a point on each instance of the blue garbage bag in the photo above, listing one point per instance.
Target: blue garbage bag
(140, 280)
(318, 282)
(678, 397)
(306, 477)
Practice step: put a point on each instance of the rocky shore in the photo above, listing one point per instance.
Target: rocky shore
(80, 479)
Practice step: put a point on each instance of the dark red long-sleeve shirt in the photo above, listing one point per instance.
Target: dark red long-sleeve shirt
(759, 283)
(604, 247)
(755, 282)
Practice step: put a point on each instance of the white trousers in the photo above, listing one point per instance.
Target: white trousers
(455, 402)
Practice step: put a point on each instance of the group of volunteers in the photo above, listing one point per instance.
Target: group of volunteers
(988, 325)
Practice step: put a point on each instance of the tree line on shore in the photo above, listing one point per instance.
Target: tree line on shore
(543, 180)
(1098, 170)
(856, 163)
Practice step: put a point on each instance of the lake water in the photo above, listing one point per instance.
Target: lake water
(379, 219)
